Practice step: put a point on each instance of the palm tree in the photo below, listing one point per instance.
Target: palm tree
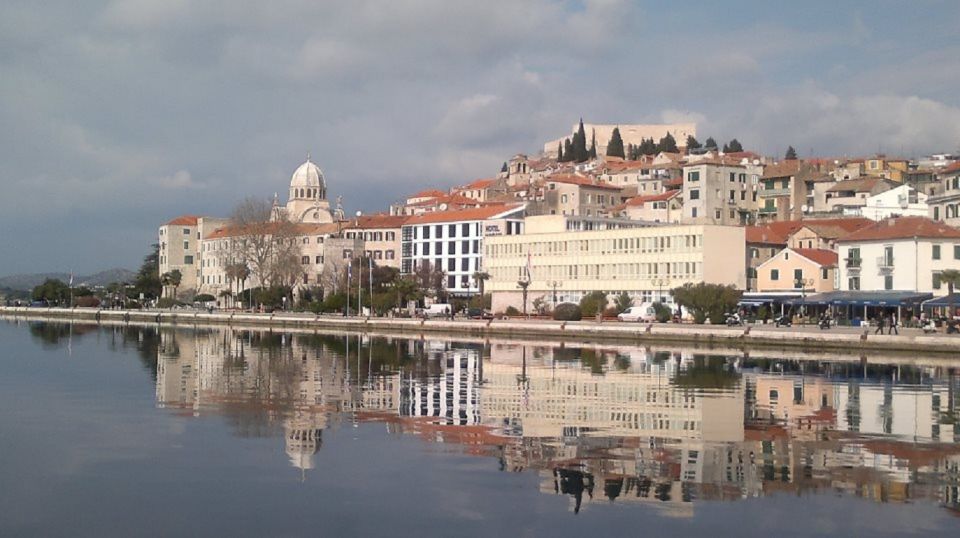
(952, 278)
(175, 278)
(480, 277)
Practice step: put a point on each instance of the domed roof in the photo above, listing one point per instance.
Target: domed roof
(307, 175)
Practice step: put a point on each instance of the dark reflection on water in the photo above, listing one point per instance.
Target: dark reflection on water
(684, 437)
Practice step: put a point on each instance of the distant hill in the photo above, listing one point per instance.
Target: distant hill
(29, 281)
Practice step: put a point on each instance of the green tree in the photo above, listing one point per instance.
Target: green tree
(147, 280)
(593, 303)
(692, 144)
(623, 301)
(615, 146)
(480, 277)
(504, 169)
(648, 147)
(707, 300)
(580, 153)
(951, 277)
(733, 147)
(791, 154)
(593, 144)
(172, 278)
(710, 144)
(567, 150)
(53, 290)
(668, 144)
(559, 152)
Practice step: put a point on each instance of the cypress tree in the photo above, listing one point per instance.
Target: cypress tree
(504, 168)
(567, 150)
(791, 154)
(668, 144)
(559, 152)
(734, 146)
(692, 143)
(593, 143)
(710, 144)
(615, 146)
(580, 153)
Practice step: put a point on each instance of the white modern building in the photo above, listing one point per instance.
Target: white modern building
(903, 201)
(644, 261)
(899, 253)
(453, 241)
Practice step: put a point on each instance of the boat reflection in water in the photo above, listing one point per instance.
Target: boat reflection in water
(598, 423)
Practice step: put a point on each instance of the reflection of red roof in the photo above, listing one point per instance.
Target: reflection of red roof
(822, 257)
(475, 213)
(904, 228)
(184, 220)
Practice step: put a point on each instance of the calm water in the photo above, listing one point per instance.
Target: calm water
(139, 432)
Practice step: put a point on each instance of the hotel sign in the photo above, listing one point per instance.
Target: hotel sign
(492, 229)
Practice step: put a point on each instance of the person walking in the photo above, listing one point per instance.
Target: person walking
(880, 324)
(893, 325)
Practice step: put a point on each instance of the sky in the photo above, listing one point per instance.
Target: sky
(116, 116)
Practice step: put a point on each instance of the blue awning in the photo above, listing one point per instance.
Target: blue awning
(891, 299)
(945, 301)
(758, 299)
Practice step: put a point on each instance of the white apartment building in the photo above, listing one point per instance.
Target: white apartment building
(453, 241)
(645, 262)
(945, 205)
(720, 191)
(903, 201)
(900, 253)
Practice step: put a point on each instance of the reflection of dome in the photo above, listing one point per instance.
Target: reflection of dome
(302, 444)
(308, 175)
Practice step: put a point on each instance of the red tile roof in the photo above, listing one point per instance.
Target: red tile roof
(640, 200)
(184, 220)
(904, 228)
(429, 193)
(764, 235)
(298, 229)
(823, 257)
(380, 220)
(781, 169)
(478, 184)
(579, 180)
(862, 184)
(475, 213)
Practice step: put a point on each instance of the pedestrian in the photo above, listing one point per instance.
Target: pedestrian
(893, 325)
(880, 324)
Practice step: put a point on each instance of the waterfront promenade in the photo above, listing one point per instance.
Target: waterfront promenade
(846, 339)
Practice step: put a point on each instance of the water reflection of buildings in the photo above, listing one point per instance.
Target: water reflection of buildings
(598, 424)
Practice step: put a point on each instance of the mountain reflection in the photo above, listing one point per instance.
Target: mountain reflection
(598, 423)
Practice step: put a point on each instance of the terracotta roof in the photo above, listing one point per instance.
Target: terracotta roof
(184, 220)
(475, 213)
(951, 168)
(904, 228)
(579, 180)
(823, 257)
(764, 234)
(380, 220)
(640, 200)
(478, 184)
(781, 169)
(449, 199)
(299, 229)
(863, 184)
(715, 161)
(429, 193)
(785, 228)
(742, 155)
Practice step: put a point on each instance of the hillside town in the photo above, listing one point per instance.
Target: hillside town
(633, 211)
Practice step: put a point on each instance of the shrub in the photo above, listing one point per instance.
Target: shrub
(567, 312)
(512, 311)
(624, 301)
(611, 312)
(86, 301)
(334, 302)
(707, 300)
(662, 312)
(204, 298)
(593, 303)
(166, 302)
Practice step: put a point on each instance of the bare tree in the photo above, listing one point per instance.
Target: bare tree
(264, 241)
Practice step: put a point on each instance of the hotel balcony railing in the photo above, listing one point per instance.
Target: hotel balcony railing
(885, 263)
(854, 263)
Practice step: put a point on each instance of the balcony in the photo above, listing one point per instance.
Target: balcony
(767, 210)
(853, 263)
(767, 193)
(885, 263)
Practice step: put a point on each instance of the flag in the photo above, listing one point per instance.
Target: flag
(349, 270)
(71, 279)
(527, 269)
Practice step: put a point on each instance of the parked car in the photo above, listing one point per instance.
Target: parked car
(437, 310)
(479, 313)
(642, 313)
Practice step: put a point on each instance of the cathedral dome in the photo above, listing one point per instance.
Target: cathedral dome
(307, 175)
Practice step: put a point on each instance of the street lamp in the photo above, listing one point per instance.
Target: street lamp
(660, 283)
(802, 283)
(554, 284)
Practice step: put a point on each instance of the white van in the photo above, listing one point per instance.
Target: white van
(437, 310)
(642, 313)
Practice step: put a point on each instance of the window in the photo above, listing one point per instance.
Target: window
(389, 254)
(465, 264)
(694, 194)
(426, 249)
(956, 252)
(716, 214)
(426, 232)
(693, 175)
(733, 177)
(451, 281)
(853, 283)
(798, 277)
(563, 199)
(186, 231)
(188, 260)
(824, 273)
(888, 282)
(304, 260)
(451, 264)
(774, 274)
(186, 245)
(693, 212)
(452, 230)
(937, 280)
(465, 230)
(439, 247)
(936, 252)
(318, 260)
(888, 257)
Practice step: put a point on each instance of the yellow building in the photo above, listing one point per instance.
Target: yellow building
(795, 269)
(567, 260)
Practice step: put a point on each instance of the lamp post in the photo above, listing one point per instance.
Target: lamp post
(554, 284)
(660, 283)
(802, 283)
